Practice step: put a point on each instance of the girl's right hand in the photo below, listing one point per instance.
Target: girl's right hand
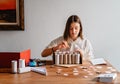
(63, 45)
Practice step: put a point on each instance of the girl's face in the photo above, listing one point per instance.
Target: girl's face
(74, 30)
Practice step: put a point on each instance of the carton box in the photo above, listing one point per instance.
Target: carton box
(7, 57)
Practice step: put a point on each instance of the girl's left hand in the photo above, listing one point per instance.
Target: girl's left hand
(79, 51)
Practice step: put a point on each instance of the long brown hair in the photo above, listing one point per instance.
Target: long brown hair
(73, 18)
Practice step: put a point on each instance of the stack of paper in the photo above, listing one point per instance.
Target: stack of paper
(98, 61)
(41, 70)
(109, 77)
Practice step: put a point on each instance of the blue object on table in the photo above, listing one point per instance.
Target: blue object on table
(32, 63)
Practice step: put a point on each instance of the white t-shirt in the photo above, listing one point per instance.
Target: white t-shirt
(79, 43)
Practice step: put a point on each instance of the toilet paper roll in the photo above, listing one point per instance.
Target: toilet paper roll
(21, 63)
(14, 66)
(65, 59)
(69, 59)
(78, 59)
(23, 70)
(41, 70)
(57, 59)
(61, 59)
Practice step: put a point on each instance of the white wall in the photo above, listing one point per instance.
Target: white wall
(45, 20)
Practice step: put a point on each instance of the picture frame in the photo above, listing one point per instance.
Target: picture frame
(12, 16)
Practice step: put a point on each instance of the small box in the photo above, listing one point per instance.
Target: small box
(7, 57)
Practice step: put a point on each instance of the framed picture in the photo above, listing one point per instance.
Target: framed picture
(11, 14)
